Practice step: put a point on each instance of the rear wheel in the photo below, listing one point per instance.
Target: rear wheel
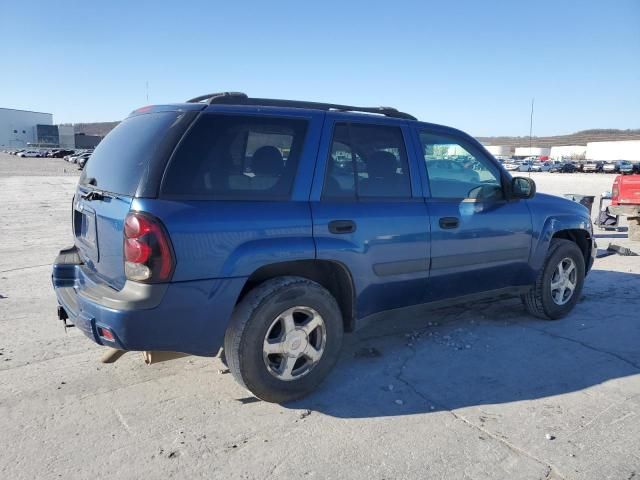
(559, 283)
(284, 338)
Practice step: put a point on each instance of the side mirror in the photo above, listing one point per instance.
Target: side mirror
(522, 187)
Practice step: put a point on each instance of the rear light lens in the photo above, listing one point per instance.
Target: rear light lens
(105, 333)
(148, 254)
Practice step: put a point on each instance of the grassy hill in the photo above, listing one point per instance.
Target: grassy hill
(578, 138)
(98, 128)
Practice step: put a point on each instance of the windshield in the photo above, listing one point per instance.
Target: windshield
(120, 160)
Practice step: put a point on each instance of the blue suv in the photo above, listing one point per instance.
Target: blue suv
(270, 227)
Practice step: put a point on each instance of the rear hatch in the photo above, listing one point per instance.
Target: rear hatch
(127, 163)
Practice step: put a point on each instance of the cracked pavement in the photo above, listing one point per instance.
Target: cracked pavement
(466, 392)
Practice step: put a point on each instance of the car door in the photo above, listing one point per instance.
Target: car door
(368, 212)
(480, 240)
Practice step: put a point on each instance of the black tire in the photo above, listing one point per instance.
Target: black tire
(538, 300)
(250, 321)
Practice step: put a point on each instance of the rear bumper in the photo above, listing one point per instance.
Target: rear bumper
(189, 317)
(628, 210)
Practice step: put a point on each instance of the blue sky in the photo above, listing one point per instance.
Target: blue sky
(471, 64)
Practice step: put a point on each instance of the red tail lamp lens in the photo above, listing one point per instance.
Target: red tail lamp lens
(136, 251)
(136, 225)
(148, 254)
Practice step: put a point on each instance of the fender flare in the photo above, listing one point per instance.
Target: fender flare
(552, 225)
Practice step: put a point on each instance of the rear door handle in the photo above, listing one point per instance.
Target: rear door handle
(342, 226)
(449, 222)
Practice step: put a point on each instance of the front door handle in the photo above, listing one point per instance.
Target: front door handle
(342, 226)
(449, 222)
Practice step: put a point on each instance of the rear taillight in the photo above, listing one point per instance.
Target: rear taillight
(615, 191)
(148, 255)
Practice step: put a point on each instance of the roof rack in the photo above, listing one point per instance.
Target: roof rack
(239, 98)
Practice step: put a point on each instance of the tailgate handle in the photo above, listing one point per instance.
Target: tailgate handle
(342, 226)
(449, 222)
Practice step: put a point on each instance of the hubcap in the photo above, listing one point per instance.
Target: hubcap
(563, 281)
(294, 343)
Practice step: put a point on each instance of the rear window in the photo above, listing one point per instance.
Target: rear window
(120, 160)
(229, 157)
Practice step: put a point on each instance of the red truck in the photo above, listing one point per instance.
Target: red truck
(625, 201)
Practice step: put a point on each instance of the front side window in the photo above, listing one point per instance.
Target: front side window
(367, 161)
(456, 170)
(231, 157)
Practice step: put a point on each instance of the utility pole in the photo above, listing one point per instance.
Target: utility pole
(531, 127)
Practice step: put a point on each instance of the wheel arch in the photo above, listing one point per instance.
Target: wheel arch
(334, 276)
(573, 229)
(580, 237)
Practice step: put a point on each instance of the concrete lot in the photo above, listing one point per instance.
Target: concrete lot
(465, 392)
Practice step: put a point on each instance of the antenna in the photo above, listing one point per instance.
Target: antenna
(531, 126)
(531, 132)
(147, 89)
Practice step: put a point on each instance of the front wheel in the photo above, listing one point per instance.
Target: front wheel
(284, 337)
(559, 283)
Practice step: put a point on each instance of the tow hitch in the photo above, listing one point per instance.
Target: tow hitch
(62, 315)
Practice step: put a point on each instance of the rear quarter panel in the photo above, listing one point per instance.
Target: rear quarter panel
(222, 239)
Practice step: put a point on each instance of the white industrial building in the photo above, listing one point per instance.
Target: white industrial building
(18, 127)
(499, 151)
(531, 152)
(572, 152)
(619, 150)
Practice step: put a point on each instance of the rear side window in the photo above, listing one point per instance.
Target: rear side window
(120, 160)
(229, 157)
(367, 161)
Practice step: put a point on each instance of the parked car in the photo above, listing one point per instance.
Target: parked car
(545, 166)
(593, 166)
(610, 167)
(29, 153)
(563, 168)
(512, 166)
(273, 231)
(539, 167)
(73, 158)
(62, 153)
(526, 166)
(81, 160)
(625, 167)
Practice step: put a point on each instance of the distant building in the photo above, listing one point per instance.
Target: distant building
(570, 152)
(621, 150)
(66, 136)
(21, 127)
(47, 136)
(531, 152)
(86, 141)
(499, 151)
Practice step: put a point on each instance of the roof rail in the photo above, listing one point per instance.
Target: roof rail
(222, 97)
(238, 98)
